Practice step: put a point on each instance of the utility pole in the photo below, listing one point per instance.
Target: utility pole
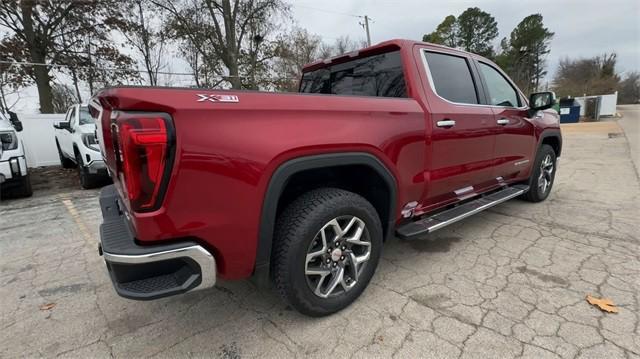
(366, 27)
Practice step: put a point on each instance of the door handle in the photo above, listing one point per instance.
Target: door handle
(446, 123)
(503, 121)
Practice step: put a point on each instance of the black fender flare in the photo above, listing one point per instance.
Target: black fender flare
(279, 181)
(550, 133)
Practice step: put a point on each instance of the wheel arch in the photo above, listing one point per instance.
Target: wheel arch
(288, 170)
(551, 137)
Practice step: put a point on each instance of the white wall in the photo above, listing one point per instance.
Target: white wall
(38, 137)
(608, 104)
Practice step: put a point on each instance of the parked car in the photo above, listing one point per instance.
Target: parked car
(14, 175)
(302, 189)
(77, 147)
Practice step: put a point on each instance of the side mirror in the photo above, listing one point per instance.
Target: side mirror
(541, 101)
(63, 125)
(13, 118)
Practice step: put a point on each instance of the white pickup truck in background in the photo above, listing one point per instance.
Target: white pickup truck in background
(77, 146)
(14, 176)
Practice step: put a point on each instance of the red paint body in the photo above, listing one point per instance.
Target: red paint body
(226, 152)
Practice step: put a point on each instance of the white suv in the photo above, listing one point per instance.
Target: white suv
(77, 146)
(14, 176)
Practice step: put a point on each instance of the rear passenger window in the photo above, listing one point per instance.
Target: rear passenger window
(451, 78)
(501, 93)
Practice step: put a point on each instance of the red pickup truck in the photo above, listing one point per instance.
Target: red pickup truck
(302, 189)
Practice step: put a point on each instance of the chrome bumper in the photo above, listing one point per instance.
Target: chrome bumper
(150, 271)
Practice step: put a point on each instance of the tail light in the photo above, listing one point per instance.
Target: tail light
(144, 147)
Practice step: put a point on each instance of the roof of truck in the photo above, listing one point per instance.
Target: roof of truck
(377, 48)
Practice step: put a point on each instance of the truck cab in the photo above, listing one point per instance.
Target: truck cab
(14, 176)
(77, 146)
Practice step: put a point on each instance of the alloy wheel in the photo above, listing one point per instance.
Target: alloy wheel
(546, 174)
(336, 256)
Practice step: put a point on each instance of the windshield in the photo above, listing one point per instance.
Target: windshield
(85, 117)
(378, 75)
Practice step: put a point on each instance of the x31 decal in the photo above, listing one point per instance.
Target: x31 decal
(217, 98)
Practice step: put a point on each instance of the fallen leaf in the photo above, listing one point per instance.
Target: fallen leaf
(604, 304)
(47, 306)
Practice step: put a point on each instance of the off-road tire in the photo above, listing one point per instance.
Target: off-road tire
(535, 193)
(298, 225)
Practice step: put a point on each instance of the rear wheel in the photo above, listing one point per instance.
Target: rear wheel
(327, 247)
(543, 175)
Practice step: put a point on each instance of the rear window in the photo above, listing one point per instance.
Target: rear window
(452, 78)
(377, 75)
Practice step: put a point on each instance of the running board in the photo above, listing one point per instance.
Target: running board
(432, 223)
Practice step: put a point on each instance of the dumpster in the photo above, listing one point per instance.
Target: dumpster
(569, 110)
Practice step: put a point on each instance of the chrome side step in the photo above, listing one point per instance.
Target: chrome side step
(442, 219)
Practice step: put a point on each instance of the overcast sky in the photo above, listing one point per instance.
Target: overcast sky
(582, 28)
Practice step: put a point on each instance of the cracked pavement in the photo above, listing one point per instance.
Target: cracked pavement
(509, 282)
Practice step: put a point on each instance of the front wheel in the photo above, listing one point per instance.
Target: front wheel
(327, 247)
(543, 175)
(24, 188)
(87, 180)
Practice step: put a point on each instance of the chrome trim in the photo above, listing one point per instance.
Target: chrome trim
(477, 210)
(463, 190)
(205, 260)
(408, 209)
(446, 123)
(521, 162)
(433, 87)
(503, 121)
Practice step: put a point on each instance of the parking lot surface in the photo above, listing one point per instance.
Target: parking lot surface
(509, 282)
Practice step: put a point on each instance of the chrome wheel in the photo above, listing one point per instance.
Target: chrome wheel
(546, 174)
(336, 256)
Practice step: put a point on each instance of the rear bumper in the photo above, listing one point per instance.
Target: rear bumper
(149, 272)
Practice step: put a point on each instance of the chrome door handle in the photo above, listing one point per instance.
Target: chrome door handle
(503, 121)
(446, 123)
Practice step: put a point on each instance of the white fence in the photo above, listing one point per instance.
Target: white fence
(608, 104)
(39, 140)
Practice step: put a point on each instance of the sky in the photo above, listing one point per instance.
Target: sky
(583, 28)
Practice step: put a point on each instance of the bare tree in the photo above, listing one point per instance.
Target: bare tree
(295, 50)
(54, 31)
(148, 39)
(592, 76)
(63, 97)
(12, 78)
(225, 31)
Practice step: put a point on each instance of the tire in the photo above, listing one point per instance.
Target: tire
(87, 180)
(305, 284)
(543, 175)
(65, 162)
(24, 189)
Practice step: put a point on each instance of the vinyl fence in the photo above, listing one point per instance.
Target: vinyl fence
(38, 137)
(608, 104)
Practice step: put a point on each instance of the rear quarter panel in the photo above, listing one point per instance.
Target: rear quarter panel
(227, 152)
